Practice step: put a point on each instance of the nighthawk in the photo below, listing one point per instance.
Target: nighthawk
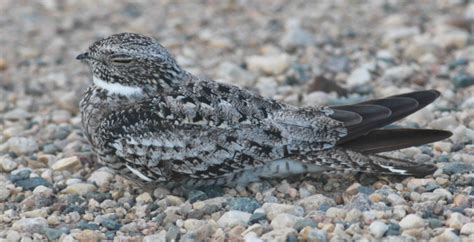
(153, 122)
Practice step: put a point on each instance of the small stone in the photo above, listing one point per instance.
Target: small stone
(315, 202)
(71, 164)
(4, 193)
(358, 77)
(3, 64)
(80, 189)
(244, 204)
(296, 36)
(468, 229)
(393, 230)
(302, 223)
(463, 81)
(271, 64)
(457, 168)
(353, 215)
(313, 234)
(32, 183)
(20, 174)
(378, 229)
(444, 122)
(457, 220)
(233, 218)
(30, 225)
(284, 220)
(273, 209)
(447, 235)
(461, 200)
(101, 177)
(196, 195)
(13, 235)
(395, 199)
(255, 228)
(22, 145)
(452, 39)
(337, 213)
(442, 146)
(89, 235)
(230, 73)
(353, 189)
(415, 183)
(411, 221)
(111, 224)
(398, 73)
(7, 164)
(54, 234)
(279, 235)
(144, 198)
(158, 237)
(257, 217)
(17, 114)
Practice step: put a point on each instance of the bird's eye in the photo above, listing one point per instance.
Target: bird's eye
(121, 58)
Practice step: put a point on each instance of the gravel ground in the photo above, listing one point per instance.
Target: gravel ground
(313, 53)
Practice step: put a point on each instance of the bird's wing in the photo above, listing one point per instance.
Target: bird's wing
(212, 129)
(172, 137)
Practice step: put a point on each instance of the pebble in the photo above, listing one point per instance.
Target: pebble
(398, 74)
(111, 224)
(313, 234)
(196, 195)
(257, 217)
(337, 213)
(101, 177)
(280, 235)
(358, 77)
(295, 36)
(411, 221)
(378, 229)
(233, 74)
(284, 220)
(457, 168)
(17, 114)
(457, 220)
(468, 228)
(244, 204)
(80, 189)
(71, 164)
(32, 183)
(30, 225)
(463, 81)
(7, 164)
(447, 235)
(4, 193)
(273, 209)
(415, 183)
(271, 64)
(22, 145)
(315, 202)
(302, 223)
(144, 198)
(233, 218)
(461, 200)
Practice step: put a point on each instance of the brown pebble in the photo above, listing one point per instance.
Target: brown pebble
(460, 200)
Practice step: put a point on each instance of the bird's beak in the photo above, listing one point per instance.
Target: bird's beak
(83, 56)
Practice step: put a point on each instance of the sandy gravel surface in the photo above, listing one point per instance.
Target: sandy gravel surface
(299, 52)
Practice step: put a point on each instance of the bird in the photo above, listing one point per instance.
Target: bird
(153, 122)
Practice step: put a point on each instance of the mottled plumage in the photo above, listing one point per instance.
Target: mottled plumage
(153, 122)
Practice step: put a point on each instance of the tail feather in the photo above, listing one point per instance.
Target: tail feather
(399, 106)
(383, 140)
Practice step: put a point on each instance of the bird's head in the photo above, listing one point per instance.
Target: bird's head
(126, 63)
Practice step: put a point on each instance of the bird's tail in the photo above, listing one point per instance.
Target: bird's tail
(344, 159)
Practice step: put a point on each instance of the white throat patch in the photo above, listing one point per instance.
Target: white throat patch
(117, 88)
